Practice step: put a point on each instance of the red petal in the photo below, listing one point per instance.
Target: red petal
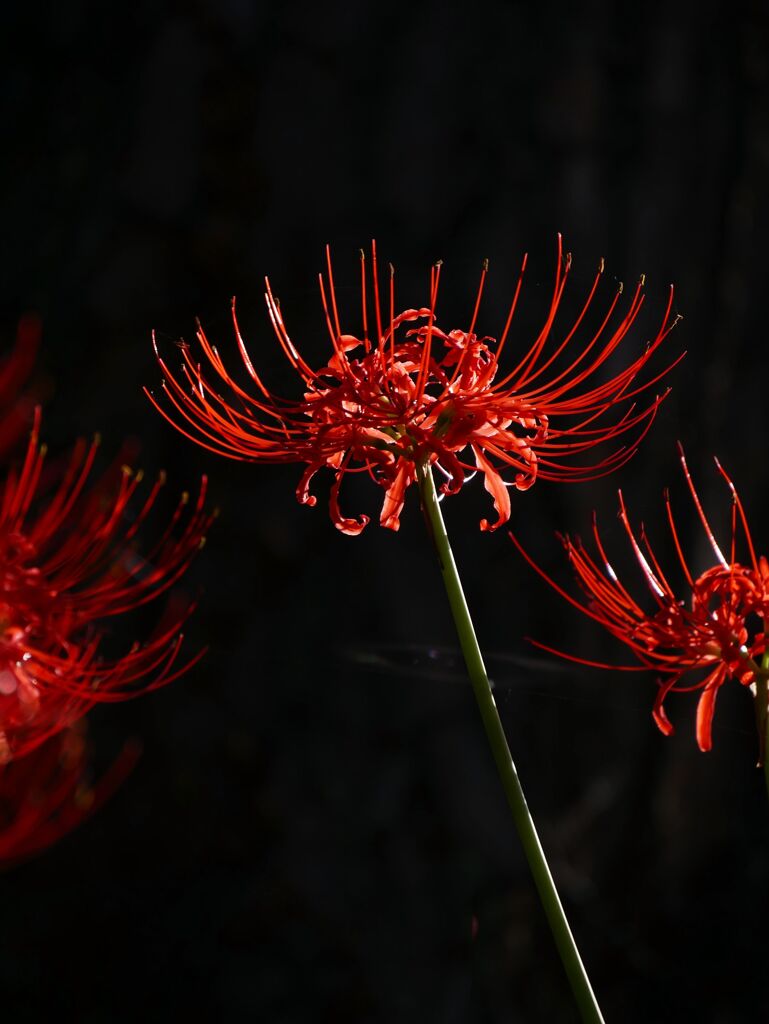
(352, 527)
(396, 495)
(661, 720)
(303, 487)
(706, 707)
(493, 483)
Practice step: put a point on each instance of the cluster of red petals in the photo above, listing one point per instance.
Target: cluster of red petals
(406, 392)
(71, 557)
(718, 634)
(48, 793)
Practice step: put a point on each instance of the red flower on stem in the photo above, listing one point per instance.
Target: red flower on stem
(46, 794)
(718, 634)
(68, 561)
(406, 392)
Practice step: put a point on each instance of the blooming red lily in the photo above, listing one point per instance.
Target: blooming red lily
(405, 392)
(719, 634)
(46, 794)
(68, 561)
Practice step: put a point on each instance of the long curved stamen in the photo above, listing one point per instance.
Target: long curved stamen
(703, 519)
(743, 517)
(513, 305)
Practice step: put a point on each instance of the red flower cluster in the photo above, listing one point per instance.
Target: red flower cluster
(719, 635)
(70, 558)
(408, 393)
(45, 795)
(68, 561)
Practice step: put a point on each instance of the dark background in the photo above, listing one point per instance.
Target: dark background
(316, 820)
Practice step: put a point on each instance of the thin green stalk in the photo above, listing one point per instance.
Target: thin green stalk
(564, 940)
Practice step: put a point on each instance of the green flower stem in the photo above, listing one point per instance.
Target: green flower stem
(564, 940)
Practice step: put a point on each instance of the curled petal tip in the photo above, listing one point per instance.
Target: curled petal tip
(662, 722)
(354, 527)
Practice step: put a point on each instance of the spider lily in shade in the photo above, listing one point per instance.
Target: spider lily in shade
(46, 794)
(718, 633)
(404, 392)
(69, 560)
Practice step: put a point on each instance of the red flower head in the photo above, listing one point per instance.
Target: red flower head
(67, 562)
(718, 634)
(46, 794)
(414, 393)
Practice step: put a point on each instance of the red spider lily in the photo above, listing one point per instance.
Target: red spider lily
(67, 562)
(410, 393)
(16, 412)
(46, 794)
(720, 635)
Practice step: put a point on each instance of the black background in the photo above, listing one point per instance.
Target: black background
(316, 820)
